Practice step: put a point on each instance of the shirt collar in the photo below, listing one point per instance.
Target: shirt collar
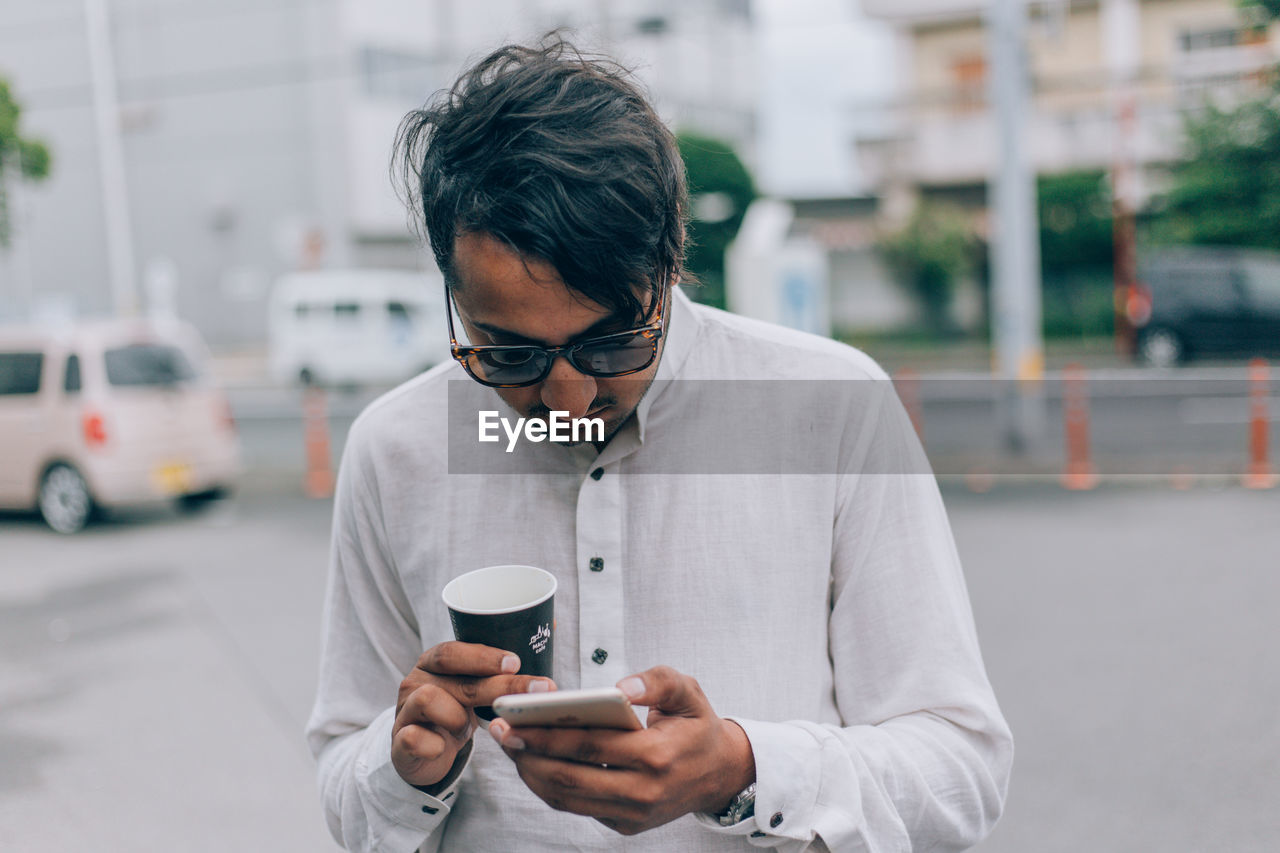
(682, 330)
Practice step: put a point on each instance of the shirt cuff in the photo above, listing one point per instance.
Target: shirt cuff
(411, 814)
(788, 764)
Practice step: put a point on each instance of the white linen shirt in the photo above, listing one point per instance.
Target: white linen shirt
(827, 615)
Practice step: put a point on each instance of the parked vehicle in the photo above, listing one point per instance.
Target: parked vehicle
(356, 327)
(1199, 302)
(107, 414)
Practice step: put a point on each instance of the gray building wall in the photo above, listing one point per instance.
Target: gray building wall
(219, 133)
(248, 124)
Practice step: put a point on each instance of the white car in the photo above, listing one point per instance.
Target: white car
(110, 413)
(356, 327)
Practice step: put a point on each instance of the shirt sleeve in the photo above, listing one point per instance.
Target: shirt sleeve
(922, 761)
(370, 641)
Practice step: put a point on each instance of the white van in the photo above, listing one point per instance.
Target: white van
(356, 327)
(110, 413)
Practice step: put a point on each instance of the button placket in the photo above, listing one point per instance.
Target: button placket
(602, 654)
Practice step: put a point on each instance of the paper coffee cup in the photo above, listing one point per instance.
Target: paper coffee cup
(507, 607)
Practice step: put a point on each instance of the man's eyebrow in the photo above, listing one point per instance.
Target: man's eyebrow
(596, 329)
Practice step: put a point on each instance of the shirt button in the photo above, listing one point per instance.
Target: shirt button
(597, 564)
(599, 656)
(597, 474)
(775, 820)
(757, 834)
(429, 810)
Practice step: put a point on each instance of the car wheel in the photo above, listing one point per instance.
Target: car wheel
(65, 502)
(1161, 348)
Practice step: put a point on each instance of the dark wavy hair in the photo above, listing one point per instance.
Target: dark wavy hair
(562, 157)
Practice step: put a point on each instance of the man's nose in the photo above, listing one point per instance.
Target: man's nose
(567, 390)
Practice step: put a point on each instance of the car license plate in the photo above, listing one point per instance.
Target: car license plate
(172, 478)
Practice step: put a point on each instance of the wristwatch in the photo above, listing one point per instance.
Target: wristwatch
(741, 807)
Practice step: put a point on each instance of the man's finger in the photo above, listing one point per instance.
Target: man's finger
(472, 692)
(433, 706)
(472, 659)
(667, 690)
(418, 744)
(613, 747)
(582, 789)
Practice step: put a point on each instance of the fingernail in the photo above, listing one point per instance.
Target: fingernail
(513, 742)
(498, 728)
(510, 663)
(539, 687)
(633, 687)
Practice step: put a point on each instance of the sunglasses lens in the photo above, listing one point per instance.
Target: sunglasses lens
(616, 356)
(513, 366)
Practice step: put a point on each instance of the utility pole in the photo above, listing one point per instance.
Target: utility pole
(1120, 33)
(115, 196)
(1018, 360)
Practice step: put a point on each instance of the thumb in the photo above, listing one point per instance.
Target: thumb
(664, 689)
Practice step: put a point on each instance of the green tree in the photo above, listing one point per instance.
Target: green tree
(720, 190)
(29, 156)
(928, 256)
(1227, 189)
(1077, 253)
(1265, 9)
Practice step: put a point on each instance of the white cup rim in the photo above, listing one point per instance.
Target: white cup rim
(498, 611)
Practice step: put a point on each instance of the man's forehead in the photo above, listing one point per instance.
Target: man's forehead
(488, 270)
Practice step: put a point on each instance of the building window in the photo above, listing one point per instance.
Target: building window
(1195, 40)
(969, 81)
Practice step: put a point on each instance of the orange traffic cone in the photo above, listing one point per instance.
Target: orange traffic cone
(1259, 474)
(319, 480)
(1079, 474)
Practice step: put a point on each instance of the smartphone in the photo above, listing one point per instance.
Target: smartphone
(600, 708)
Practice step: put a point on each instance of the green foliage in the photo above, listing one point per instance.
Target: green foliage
(30, 155)
(1266, 9)
(1075, 221)
(720, 189)
(1077, 252)
(928, 256)
(34, 159)
(1227, 190)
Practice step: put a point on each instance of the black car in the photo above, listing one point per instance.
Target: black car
(1201, 302)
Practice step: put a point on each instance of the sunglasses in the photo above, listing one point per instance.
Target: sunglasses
(617, 354)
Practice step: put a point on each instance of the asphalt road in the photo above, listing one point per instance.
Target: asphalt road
(156, 671)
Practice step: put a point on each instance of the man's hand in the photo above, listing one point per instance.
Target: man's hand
(435, 713)
(687, 760)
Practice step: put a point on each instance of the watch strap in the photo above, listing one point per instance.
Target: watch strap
(741, 807)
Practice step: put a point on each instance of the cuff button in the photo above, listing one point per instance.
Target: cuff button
(757, 834)
(429, 810)
(775, 820)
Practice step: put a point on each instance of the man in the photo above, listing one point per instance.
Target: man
(802, 639)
